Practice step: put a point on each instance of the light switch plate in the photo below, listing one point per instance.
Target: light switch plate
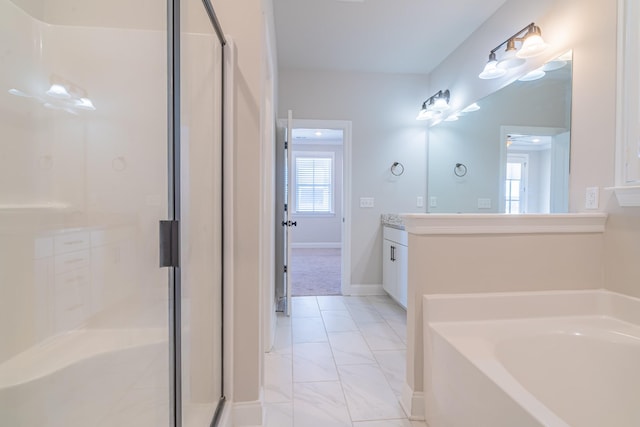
(433, 202)
(419, 202)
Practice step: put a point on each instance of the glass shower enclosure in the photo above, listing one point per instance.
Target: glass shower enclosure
(110, 121)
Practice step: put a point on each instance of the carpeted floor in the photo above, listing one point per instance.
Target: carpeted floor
(315, 272)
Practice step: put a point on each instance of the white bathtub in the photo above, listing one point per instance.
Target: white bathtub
(83, 377)
(554, 359)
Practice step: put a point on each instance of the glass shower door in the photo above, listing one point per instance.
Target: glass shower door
(201, 214)
(83, 184)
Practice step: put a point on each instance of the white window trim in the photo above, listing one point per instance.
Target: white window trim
(312, 154)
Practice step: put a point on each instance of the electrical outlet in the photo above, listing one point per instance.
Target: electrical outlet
(484, 203)
(433, 202)
(419, 202)
(592, 197)
(366, 202)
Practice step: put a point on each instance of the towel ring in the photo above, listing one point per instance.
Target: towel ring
(397, 168)
(460, 170)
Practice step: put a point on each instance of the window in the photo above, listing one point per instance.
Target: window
(313, 182)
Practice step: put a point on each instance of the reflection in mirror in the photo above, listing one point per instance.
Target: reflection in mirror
(515, 147)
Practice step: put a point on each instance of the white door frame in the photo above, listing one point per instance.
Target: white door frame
(345, 126)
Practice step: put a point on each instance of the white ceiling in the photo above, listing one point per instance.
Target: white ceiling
(302, 135)
(391, 36)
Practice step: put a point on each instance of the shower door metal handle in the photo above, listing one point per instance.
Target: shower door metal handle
(169, 243)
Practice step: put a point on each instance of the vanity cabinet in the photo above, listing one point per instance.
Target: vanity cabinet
(394, 264)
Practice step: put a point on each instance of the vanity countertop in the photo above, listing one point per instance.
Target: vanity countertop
(392, 220)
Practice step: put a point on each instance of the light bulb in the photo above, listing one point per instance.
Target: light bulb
(533, 43)
(440, 104)
(491, 71)
(509, 59)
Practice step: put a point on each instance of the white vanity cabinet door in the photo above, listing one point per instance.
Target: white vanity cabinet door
(394, 264)
(388, 268)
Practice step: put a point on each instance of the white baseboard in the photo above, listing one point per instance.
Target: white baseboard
(413, 403)
(366, 290)
(317, 245)
(247, 414)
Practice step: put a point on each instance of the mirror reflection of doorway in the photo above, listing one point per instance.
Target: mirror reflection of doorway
(535, 170)
(317, 190)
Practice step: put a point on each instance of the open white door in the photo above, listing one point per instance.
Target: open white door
(288, 222)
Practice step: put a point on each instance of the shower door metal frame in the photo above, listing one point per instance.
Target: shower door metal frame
(173, 146)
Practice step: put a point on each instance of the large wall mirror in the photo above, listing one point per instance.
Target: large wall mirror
(509, 156)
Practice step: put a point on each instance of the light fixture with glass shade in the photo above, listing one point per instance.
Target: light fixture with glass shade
(532, 45)
(434, 105)
(491, 70)
(510, 58)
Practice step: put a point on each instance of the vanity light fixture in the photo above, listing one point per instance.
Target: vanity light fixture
(532, 44)
(434, 105)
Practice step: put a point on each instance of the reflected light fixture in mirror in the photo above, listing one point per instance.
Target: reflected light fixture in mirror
(536, 74)
(471, 108)
(532, 45)
(58, 91)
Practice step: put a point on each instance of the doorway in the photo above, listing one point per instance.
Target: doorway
(534, 170)
(315, 255)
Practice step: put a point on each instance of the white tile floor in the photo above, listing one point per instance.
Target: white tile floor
(338, 362)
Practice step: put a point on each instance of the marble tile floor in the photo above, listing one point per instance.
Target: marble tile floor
(338, 362)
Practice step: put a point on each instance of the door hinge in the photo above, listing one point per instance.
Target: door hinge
(169, 243)
(285, 268)
(286, 207)
(286, 145)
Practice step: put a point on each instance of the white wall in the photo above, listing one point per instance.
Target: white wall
(382, 108)
(245, 24)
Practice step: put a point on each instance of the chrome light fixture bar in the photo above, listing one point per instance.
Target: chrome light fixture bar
(434, 105)
(532, 45)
